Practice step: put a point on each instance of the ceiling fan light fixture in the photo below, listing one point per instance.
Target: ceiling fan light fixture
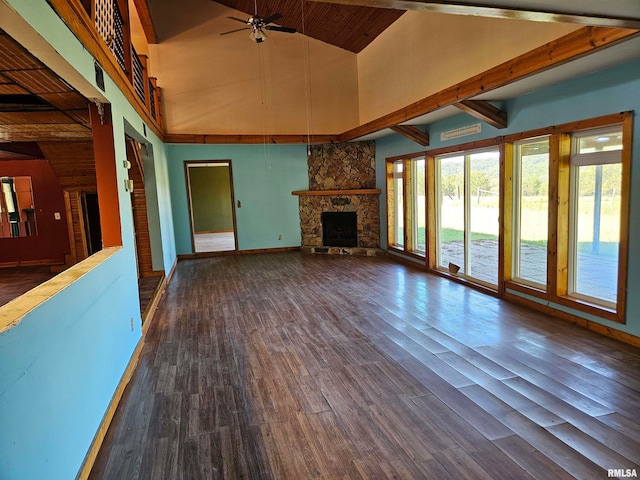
(258, 36)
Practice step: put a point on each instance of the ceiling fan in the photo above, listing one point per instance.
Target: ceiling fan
(258, 25)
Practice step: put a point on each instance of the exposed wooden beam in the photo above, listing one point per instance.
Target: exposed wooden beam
(412, 133)
(20, 150)
(485, 111)
(249, 139)
(569, 12)
(575, 45)
(572, 46)
(144, 13)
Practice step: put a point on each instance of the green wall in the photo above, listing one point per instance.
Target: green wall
(211, 199)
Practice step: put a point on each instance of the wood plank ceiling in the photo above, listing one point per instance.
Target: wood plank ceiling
(350, 27)
(35, 104)
(41, 116)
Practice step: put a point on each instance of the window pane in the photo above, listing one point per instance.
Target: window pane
(484, 210)
(532, 207)
(451, 212)
(399, 204)
(600, 142)
(596, 237)
(419, 214)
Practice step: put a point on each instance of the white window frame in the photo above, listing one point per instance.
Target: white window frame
(517, 211)
(399, 241)
(415, 208)
(577, 160)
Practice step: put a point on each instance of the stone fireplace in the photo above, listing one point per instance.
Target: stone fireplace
(342, 178)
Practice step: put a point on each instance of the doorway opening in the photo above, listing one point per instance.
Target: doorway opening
(146, 226)
(91, 213)
(211, 206)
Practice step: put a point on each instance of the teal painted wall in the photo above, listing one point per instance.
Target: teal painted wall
(58, 370)
(263, 179)
(164, 207)
(60, 366)
(611, 91)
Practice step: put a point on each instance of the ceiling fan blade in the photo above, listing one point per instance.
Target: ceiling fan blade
(271, 18)
(237, 30)
(238, 20)
(280, 29)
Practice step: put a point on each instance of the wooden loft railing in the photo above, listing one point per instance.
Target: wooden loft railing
(111, 19)
(103, 27)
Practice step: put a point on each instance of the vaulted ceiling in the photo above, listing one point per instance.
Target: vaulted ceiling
(354, 24)
(226, 85)
(351, 27)
(35, 104)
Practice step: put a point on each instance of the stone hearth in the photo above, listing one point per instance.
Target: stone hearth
(341, 179)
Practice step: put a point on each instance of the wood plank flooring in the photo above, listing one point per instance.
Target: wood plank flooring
(147, 287)
(292, 366)
(16, 281)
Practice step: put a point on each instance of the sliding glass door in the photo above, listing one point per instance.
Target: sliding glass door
(450, 215)
(468, 196)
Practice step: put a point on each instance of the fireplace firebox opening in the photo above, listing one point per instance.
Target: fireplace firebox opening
(339, 229)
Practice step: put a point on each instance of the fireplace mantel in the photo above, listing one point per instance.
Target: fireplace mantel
(362, 191)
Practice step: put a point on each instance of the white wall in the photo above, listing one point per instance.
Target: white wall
(423, 53)
(231, 85)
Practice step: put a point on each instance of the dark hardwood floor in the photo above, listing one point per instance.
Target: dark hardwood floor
(147, 289)
(291, 366)
(15, 281)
